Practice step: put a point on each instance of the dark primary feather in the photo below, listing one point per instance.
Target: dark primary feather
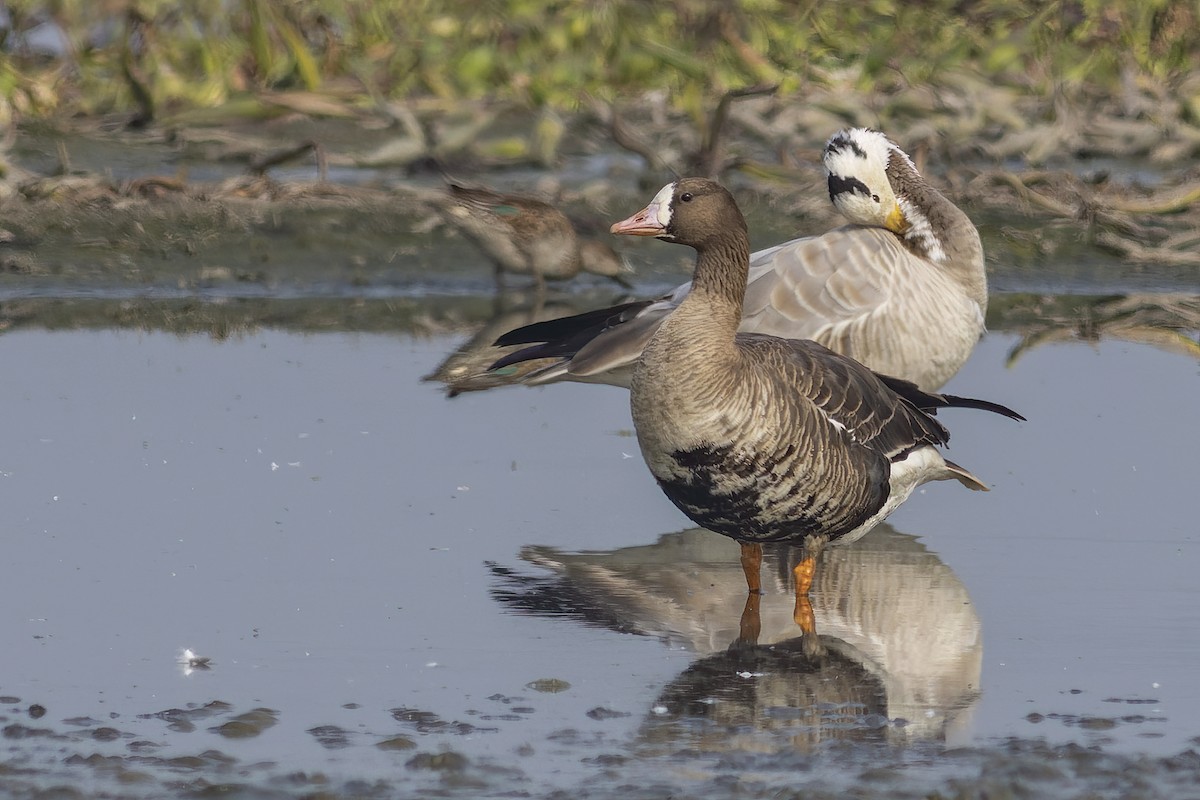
(560, 338)
(552, 330)
(930, 402)
(553, 349)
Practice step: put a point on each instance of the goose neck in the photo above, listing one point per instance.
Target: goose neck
(719, 284)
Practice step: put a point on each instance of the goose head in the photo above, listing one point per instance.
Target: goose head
(689, 211)
(857, 161)
(873, 182)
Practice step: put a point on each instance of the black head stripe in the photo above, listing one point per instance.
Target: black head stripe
(836, 145)
(838, 184)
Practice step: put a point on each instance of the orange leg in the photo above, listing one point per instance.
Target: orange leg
(752, 566)
(750, 625)
(803, 573)
(803, 613)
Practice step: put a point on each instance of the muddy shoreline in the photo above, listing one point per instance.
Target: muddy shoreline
(244, 205)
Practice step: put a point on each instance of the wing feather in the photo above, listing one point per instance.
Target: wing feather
(848, 394)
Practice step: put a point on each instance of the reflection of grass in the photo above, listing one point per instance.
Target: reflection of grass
(1037, 317)
(1170, 322)
(222, 319)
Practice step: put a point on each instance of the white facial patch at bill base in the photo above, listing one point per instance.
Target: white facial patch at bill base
(660, 206)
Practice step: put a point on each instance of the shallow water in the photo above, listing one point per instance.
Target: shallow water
(228, 448)
(404, 595)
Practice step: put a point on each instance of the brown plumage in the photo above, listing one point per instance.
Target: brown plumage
(525, 236)
(768, 439)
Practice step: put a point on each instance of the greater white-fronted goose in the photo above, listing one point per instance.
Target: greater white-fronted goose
(765, 439)
(525, 236)
(902, 289)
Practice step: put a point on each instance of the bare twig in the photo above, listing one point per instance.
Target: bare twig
(1037, 198)
(1139, 253)
(137, 34)
(708, 157)
(260, 164)
(1169, 204)
(623, 136)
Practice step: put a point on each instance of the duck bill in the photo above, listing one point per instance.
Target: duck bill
(643, 223)
(896, 222)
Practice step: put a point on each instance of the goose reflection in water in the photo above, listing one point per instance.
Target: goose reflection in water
(897, 656)
(466, 369)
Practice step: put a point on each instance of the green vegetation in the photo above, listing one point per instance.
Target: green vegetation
(1007, 99)
(156, 58)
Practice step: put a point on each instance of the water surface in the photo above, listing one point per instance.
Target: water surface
(401, 593)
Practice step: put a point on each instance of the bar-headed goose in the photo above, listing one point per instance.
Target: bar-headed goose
(525, 236)
(902, 289)
(765, 439)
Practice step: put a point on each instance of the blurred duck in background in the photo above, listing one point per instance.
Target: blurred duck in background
(524, 236)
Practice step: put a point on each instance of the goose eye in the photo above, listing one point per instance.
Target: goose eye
(686, 197)
(875, 197)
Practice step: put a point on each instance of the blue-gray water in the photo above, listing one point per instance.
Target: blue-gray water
(355, 553)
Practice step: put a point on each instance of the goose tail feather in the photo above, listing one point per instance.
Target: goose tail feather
(953, 401)
(964, 477)
(930, 402)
